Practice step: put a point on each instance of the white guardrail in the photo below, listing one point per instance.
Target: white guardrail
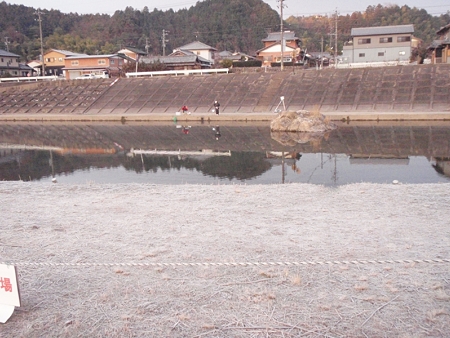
(31, 78)
(179, 72)
(372, 64)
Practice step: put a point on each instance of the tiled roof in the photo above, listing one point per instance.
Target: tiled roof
(196, 45)
(382, 30)
(134, 50)
(85, 56)
(5, 53)
(188, 53)
(66, 52)
(176, 60)
(276, 36)
(443, 29)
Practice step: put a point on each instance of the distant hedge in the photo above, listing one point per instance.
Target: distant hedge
(251, 63)
(278, 64)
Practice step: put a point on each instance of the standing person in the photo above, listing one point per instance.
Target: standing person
(185, 109)
(216, 107)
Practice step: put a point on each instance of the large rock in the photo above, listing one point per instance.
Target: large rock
(302, 121)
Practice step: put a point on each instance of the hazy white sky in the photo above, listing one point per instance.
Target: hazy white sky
(292, 7)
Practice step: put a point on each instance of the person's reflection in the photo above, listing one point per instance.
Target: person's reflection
(184, 129)
(216, 132)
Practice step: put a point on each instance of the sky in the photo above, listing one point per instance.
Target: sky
(291, 7)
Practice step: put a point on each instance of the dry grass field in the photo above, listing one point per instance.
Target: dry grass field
(295, 260)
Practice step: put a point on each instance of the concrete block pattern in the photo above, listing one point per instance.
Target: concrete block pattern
(389, 89)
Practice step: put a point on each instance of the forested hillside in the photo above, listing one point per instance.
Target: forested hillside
(224, 24)
(311, 29)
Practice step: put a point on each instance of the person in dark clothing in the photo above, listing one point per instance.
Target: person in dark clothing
(216, 107)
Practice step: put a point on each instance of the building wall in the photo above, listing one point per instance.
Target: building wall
(378, 48)
(207, 54)
(54, 62)
(273, 54)
(54, 59)
(9, 64)
(78, 66)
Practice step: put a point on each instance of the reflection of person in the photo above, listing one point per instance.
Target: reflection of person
(216, 107)
(185, 129)
(217, 132)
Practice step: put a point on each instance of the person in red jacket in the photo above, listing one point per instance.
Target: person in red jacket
(185, 109)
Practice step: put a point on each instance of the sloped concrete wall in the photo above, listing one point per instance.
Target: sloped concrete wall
(424, 88)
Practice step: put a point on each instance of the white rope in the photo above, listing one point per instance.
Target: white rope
(245, 264)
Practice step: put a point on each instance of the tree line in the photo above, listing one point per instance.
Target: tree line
(233, 25)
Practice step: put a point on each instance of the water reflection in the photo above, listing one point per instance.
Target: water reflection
(169, 154)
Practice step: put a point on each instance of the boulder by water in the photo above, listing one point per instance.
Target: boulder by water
(302, 121)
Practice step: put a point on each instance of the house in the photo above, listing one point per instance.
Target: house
(54, 61)
(185, 61)
(379, 44)
(440, 49)
(235, 57)
(10, 64)
(78, 65)
(271, 53)
(36, 66)
(132, 53)
(198, 48)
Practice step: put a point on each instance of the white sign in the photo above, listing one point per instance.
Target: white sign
(9, 291)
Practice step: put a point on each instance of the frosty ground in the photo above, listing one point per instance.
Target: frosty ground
(295, 260)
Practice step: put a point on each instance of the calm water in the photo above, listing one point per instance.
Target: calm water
(241, 154)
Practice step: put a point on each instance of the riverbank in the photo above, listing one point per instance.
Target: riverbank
(224, 117)
(417, 92)
(228, 261)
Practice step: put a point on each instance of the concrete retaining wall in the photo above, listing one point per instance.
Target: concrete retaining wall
(392, 90)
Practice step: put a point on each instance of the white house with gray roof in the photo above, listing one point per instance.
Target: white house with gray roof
(10, 64)
(200, 49)
(379, 44)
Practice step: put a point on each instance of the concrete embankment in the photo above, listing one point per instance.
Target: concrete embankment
(419, 92)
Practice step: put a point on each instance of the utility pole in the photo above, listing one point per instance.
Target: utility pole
(282, 34)
(321, 54)
(164, 41)
(335, 39)
(39, 13)
(147, 46)
(7, 43)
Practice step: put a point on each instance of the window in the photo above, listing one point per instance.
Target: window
(361, 55)
(2, 59)
(402, 53)
(363, 41)
(403, 38)
(74, 63)
(47, 59)
(101, 62)
(380, 53)
(60, 59)
(112, 61)
(385, 40)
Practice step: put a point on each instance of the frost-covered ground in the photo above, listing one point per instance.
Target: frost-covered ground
(228, 261)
